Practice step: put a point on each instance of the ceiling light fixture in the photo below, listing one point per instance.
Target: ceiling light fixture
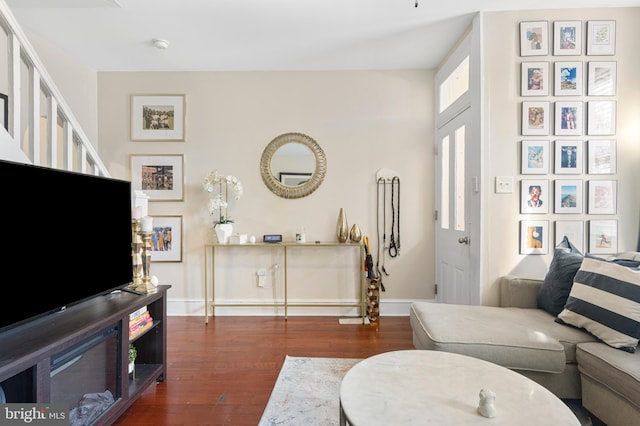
(416, 3)
(160, 43)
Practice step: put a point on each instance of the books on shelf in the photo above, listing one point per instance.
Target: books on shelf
(138, 312)
(139, 323)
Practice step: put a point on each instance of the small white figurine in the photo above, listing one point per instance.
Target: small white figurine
(486, 407)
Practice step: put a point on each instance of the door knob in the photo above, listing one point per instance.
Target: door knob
(463, 240)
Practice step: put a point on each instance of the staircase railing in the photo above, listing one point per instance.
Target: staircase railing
(40, 122)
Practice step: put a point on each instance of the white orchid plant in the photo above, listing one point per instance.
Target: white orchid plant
(218, 186)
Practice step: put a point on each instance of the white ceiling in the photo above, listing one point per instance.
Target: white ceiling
(235, 35)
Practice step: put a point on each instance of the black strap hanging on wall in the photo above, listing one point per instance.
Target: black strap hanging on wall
(394, 242)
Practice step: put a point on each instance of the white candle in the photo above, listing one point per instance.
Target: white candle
(136, 213)
(146, 224)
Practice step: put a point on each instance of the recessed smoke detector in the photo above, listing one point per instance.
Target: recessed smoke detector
(160, 43)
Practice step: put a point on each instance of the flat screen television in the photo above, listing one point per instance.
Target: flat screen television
(66, 237)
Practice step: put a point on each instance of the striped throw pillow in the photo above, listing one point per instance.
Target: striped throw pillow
(605, 301)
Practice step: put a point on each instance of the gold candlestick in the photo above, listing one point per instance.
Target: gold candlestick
(146, 286)
(136, 254)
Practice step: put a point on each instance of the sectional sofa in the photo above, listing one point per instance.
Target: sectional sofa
(575, 332)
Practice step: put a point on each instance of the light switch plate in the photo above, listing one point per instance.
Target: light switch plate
(504, 184)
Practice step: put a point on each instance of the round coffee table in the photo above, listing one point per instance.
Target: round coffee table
(417, 387)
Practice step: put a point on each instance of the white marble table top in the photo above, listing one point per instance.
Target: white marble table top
(420, 387)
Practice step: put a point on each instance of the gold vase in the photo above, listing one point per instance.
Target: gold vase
(342, 228)
(355, 235)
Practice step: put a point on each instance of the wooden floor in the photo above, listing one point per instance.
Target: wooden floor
(222, 373)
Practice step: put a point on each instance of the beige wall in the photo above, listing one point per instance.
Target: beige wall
(502, 132)
(364, 121)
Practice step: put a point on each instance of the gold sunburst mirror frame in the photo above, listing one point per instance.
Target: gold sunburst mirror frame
(303, 189)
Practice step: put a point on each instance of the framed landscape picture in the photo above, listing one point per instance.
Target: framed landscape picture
(567, 38)
(534, 196)
(568, 196)
(535, 157)
(568, 79)
(602, 118)
(166, 239)
(535, 79)
(602, 157)
(602, 78)
(534, 38)
(603, 236)
(534, 237)
(161, 177)
(535, 118)
(569, 116)
(569, 158)
(601, 37)
(573, 230)
(603, 196)
(157, 117)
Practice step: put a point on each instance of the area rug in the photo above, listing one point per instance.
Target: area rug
(307, 392)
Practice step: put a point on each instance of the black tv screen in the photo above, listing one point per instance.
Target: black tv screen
(66, 238)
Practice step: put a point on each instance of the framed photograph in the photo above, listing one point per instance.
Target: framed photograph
(569, 158)
(567, 38)
(602, 157)
(572, 229)
(602, 196)
(535, 157)
(534, 237)
(535, 118)
(601, 37)
(534, 38)
(602, 118)
(157, 117)
(166, 239)
(4, 110)
(603, 236)
(602, 78)
(161, 177)
(294, 179)
(569, 119)
(534, 194)
(568, 194)
(535, 79)
(568, 79)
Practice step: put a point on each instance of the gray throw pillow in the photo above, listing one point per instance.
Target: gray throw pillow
(557, 283)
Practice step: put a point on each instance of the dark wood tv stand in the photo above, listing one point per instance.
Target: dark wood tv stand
(26, 352)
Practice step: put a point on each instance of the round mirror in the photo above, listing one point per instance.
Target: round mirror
(293, 165)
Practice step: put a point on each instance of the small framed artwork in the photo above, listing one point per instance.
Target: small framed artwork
(161, 177)
(534, 195)
(569, 119)
(535, 157)
(4, 111)
(567, 38)
(573, 230)
(568, 79)
(535, 79)
(601, 37)
(535, 118)
(166, 239)
(602, 196)
(534, 237)
(602, 157)
(602, 78)
(602, 118)
(534, 38)
(568, 158)
(294, 179)
(568, 196)
(157, 117)
(603, 236)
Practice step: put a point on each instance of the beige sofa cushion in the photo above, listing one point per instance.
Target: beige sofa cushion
(516, 338)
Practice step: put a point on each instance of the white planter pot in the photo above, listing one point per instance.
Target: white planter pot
(132, 367)
(223, 232)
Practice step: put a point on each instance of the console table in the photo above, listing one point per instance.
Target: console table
(210, 276)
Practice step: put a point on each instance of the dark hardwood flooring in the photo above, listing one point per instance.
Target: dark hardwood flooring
(222, 373)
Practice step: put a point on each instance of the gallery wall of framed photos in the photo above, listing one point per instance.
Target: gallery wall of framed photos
(568, 145)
